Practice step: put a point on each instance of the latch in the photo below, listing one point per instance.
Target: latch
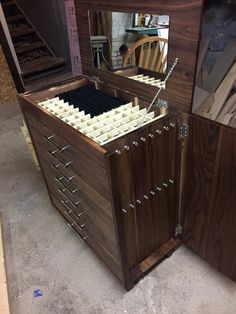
(178, 230)
(183, 133)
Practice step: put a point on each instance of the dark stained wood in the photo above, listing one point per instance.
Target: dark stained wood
(21, 32)
(209, 199)
(147, 226)
(30, 47)
(93, 199)
(185, 22)
(154, 259)
(41, 64)
(79, 163)
(98, 249)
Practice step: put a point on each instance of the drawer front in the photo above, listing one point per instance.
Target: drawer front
(78, 193)
(77, 190)
(69, 161)
(110, 260)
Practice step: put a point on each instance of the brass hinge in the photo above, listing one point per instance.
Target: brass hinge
(183, 131)
(178, 230)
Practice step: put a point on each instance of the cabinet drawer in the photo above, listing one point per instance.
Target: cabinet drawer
(78, 189)
(107, 251)
(70, 160)
(87, 218)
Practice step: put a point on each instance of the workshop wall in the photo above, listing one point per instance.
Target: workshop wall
(7, 87)
(50, 20)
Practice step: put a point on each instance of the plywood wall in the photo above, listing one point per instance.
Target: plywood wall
(7, 87)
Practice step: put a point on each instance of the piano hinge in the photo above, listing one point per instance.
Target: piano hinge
(178, 230)
(183, 131)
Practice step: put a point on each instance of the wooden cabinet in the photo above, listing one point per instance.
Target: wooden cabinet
(134, 196)
(119, 197)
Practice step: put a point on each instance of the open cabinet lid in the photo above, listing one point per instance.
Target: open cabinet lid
(185, 22)
(209, 194)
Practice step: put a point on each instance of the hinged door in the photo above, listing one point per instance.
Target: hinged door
(143, 168)
(209, 194)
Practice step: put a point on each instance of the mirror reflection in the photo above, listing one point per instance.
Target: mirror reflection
(130, 44)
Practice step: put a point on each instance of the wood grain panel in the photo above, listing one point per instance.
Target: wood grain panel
(82, 166)
(114, 266)
(209, 199)
(149, 224)
(185, 21)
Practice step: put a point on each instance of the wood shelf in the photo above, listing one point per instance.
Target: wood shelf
(14, 18)
(21, 32)
(40, 65)
(8, 3)
(30, 47)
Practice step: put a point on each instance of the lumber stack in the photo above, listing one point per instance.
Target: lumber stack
(215, 93)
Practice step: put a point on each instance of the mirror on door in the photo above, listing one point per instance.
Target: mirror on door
(134, 45)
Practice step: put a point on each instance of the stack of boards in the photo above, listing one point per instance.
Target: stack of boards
(215, 95)
(104, 127)
(148, 80)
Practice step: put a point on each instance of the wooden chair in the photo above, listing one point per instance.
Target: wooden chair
(148, 53)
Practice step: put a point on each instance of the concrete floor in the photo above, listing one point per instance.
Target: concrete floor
(42, 252)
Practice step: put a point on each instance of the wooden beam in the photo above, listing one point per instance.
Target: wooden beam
(222, 92)
(4, 303)
(221, 67)
(227, 108)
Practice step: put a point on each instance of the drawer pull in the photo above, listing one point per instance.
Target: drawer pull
(78, 235)
(68, 208)
(83, 225)
(63, 176)
(62, 192)
(66, 165)
(72, 177)
(58, 180)
(64, 148)
(74, 191)
(50, 137)
(54, 152)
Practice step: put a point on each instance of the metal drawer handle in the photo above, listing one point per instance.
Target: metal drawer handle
(53, 152)
(83, 225)
(74, 191)
(64, 148)
(59, 180)
(66, 165)
(48, 139)
(67, 207)
(62, 192)
(78, 235)
(63, 176)
(81, 214)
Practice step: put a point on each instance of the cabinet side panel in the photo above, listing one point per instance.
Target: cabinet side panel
(209, 200)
